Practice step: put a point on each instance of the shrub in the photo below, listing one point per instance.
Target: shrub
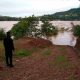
(48, 29)
(76, 30)
(25, 27)
(19, 29)
(2, 34)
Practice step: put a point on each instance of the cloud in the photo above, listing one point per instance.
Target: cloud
(36, 7)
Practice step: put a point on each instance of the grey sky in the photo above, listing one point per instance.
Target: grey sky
(37, 7)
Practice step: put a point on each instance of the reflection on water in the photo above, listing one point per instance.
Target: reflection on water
(65, 38)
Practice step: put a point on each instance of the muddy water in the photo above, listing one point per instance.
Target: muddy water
(63, 38)
(7, 25)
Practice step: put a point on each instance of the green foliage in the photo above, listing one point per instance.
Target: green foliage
(76, 30)
(72, 14)
(26, 27)
(48, 29)
(29, 27)
(61, 62)
(60, 59)
(23, 53)
(38, 33)
(19, 29)
(2, 34)
(7, 18)
(32, 26)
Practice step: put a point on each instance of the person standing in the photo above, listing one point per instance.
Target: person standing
(9, 48)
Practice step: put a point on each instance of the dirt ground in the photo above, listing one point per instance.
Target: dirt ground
(47, 62)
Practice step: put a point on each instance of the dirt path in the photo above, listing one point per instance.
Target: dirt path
(62, 63)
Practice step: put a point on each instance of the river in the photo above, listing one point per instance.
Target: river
(7, 25)
(63, 38)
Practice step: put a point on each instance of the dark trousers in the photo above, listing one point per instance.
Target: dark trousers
(8, 55)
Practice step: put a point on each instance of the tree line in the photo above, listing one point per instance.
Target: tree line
(70, 15)
(7, 18)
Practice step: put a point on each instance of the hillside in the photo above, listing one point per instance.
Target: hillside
(72, 14)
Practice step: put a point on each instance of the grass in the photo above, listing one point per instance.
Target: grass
(60, 59)
(46, 51)
(23, 53)
(61, 62)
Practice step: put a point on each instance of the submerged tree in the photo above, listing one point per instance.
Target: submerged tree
(76, 30)
(48, 29)
(25, 27)
(32, 25)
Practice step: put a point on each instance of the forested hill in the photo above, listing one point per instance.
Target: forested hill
(7, 18)
(72, 14)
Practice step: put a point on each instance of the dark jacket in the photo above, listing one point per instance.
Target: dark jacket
(8, 44)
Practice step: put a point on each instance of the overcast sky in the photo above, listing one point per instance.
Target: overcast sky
(21, 8)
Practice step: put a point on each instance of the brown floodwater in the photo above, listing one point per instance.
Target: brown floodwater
(63, 38)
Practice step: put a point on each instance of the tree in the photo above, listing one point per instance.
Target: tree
(76, 30)
(19, 29)
(48, 29)
(26, 27)
(32, 25)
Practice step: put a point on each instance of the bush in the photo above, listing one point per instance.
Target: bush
(76, 30)
(48, 29)
(2, 34)
(25, 27)
(19, 29)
